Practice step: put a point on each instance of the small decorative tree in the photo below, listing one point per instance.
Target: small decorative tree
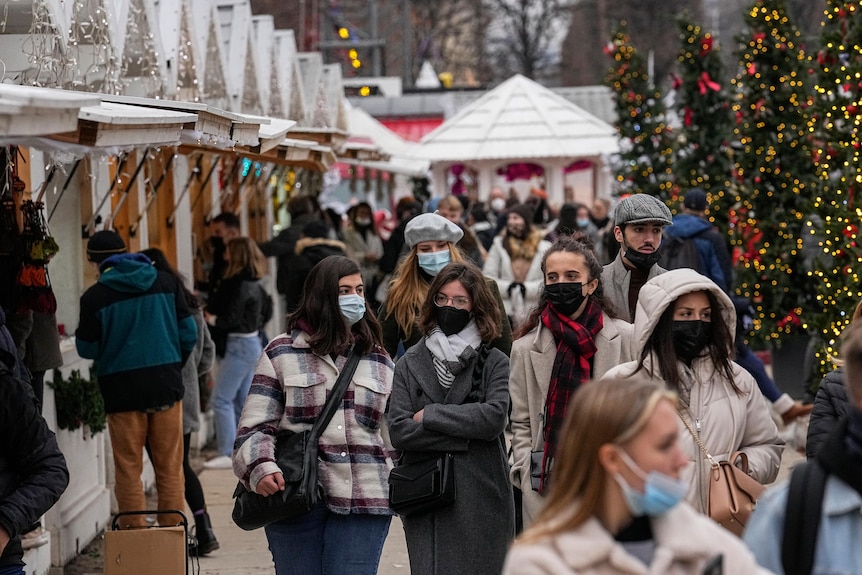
(703, 154)
(774, 172)
(644, 163)
(78, 401)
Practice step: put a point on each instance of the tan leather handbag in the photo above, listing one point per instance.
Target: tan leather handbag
(733, 493)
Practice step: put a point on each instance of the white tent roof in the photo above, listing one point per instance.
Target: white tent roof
(519, 119)
(363, 125)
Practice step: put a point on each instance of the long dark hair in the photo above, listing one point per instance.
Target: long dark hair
(161, 263)
(573, 245)
(660, 343)
(486, 312)
(319, 307)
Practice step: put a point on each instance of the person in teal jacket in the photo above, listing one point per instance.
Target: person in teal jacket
(136, 325)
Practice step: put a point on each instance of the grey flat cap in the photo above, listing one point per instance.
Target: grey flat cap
(431, 227)
(642, 208)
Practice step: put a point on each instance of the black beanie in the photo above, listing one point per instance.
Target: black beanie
(103, 245)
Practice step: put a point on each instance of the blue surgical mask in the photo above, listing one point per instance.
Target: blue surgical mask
(661, 492)
(352, 307)
(583, 222)
(433, 262)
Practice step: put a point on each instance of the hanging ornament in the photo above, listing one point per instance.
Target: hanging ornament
(704, 83)
(706, 45)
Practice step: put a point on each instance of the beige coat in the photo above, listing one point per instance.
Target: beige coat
(616, 279)
(685, 544)
(498, 266)
(530, 374)
(727, 421)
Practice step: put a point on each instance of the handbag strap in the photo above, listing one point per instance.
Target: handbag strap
(712, 462)
(336, 396)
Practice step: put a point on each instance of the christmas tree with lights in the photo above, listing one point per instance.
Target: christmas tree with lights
(644, 162)
(773, 172)
(703, 155)
(836, 117)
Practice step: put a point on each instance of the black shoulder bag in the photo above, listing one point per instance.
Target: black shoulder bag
(802, 517)
(427, 485)
(296, 456)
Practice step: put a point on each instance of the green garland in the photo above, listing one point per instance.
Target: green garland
(78, 402)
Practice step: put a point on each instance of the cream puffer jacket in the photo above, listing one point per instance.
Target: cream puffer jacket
(725, 420)
(685, 543)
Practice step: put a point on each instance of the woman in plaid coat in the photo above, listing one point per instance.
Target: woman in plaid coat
(345, 533)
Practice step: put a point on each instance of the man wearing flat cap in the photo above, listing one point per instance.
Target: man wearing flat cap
(136, 325)
(638, 223)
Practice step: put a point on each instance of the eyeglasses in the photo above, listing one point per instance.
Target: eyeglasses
(458, 302)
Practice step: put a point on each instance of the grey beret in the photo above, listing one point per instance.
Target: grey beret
(642, 208)
(431, 227)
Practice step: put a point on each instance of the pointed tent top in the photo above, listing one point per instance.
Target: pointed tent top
(427, 77)
(519, 119)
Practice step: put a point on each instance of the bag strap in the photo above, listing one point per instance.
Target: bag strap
(712, 462)
(336, 396)
(802, 518)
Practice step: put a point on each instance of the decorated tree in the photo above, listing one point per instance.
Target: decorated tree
(644, 162)
(837, 113)
(773, 172)
(703, 153)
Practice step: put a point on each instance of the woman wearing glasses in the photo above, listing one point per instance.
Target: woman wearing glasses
(431, 239)
(450, 395)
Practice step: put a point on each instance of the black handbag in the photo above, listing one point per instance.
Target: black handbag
(422, 486)
(296, 456)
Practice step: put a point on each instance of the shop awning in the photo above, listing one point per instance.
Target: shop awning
(111, 124)
(332, 137)
(33, 111)
(272, 134)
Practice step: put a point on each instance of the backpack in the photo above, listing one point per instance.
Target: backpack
(677, 252)
(802, 517)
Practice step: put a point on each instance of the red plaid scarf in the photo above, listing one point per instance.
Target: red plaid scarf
(575, 346)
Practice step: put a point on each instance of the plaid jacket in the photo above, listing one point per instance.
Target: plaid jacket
(288, 392)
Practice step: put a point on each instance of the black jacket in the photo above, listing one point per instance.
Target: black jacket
(830, 405)
(238, 304)
(283, 248)
(33, 471)
(309, 252)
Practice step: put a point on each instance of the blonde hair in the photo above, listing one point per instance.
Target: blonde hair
(451, 203)
(609, 411)
(245, 256)
(408, 289)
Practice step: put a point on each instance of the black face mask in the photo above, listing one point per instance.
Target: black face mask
(217, 243)
(451, 319)
(690, 337)
(641, 260)
(565, 297)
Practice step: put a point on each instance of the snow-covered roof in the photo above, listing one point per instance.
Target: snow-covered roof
(519, 119)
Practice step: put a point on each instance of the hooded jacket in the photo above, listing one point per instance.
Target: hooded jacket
(727, 421)
(711, 247)
(136, 325)
(309, 252)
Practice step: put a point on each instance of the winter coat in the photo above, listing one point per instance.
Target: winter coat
(38, 339)
(200, 361)
(33, 471)
(393, 335)
(530, 375)
(136, 324)
(9, 351)
(358, 246)
(711, 247)
(239, 304)
(309, 252)
(471, 535)
(283, 248)
(288, 392)
(616, 279)
(726, 421)
(830, 406)
(685, 543)
(498, 266)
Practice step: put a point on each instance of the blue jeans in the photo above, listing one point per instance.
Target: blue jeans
(752, 364)
(325, 543)
(232, 383)
(13, 570)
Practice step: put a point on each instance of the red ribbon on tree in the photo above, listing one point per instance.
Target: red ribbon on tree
(706, 45)
(688, 115)
(705, 83)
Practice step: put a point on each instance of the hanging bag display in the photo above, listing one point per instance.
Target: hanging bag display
(296, 456)
(733, 494)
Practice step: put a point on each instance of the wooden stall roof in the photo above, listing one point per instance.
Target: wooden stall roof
(34, 111)
(112, 124)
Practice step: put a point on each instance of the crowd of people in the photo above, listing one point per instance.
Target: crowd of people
(579, 392)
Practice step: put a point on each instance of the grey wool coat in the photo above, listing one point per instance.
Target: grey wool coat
(472, 535)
